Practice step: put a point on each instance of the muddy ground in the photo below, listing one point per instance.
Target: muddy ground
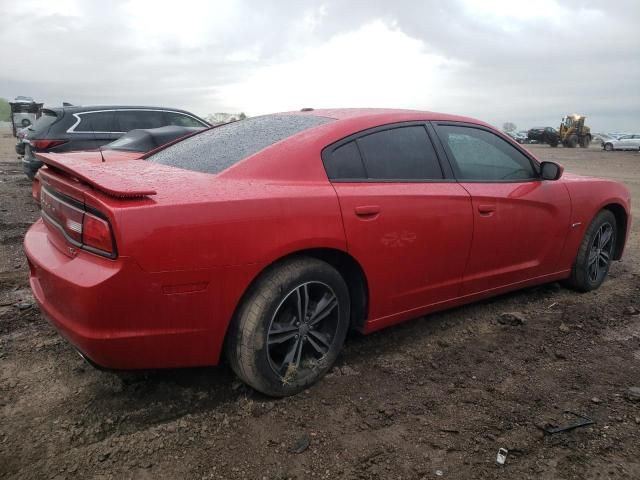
(433, 398)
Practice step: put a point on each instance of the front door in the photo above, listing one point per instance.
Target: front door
(520, 221)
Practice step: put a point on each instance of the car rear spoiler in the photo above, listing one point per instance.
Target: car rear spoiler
(121, 180)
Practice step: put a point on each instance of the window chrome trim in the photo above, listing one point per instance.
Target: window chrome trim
(72, 128)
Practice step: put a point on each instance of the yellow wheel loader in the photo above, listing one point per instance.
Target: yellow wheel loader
(574, 132)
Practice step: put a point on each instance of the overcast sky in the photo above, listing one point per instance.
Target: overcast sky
(528, 62)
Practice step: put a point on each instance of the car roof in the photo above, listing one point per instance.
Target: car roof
(91, 108)
(384, 115)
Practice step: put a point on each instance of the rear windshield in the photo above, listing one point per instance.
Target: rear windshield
(215, 150)
(42, 124)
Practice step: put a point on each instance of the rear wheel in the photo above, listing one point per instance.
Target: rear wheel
(290, 328)
(595, 254)
(572, 142)
(585, 141)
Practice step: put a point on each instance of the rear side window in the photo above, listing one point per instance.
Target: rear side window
(477, 154)
(345, 163)
(216, 149)
(175, 118)
(95, 122)
(400, 153)
(131, 119)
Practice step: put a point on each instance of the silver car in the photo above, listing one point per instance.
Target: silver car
(626, 142)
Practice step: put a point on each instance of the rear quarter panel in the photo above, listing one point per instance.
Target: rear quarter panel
(204, 251)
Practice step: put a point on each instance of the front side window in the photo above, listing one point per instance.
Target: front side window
(396, 154)
(477, 154)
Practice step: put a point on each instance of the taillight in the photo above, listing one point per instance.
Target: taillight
(96, 233)
(82, 228)
(44, 144)
(64, 215)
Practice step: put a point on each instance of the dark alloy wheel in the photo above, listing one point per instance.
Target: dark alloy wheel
(290, 327)
(303, 328)
(595, 254)
(600, 253)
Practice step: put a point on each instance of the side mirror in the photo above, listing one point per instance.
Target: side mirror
(551, 170)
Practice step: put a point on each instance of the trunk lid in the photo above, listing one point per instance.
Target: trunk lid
(114, 182)
(79, 201)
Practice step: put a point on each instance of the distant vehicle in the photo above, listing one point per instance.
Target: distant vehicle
(626, 142)
(574, 132)
(547, 135)
(63, 129)
(268, 239)
(23, 99)
(519, 137)
(24, 112)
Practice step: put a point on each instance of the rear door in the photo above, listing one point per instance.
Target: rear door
(406, 220)
(520, 221)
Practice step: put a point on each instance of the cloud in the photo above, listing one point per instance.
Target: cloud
(498, 60)
(374, 66)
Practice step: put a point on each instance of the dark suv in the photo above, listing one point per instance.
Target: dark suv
(548, 135)
(65, 129)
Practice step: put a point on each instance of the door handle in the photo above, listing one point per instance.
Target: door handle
(367, 210)
(486, 208)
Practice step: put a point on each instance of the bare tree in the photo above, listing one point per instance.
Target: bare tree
(509, 127)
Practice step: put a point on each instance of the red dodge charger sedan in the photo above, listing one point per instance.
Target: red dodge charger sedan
(267, 239)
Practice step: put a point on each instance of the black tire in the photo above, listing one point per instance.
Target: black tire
(553, 144)
(572, 142)
(583, 276)
(585, 141)
(260, 338)
(608, 147)
(31, 175)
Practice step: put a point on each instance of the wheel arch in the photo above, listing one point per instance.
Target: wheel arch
(348, 267)
(622, 219)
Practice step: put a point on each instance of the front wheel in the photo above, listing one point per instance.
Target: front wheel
(290, 328)
(595, 254)
(608, 147)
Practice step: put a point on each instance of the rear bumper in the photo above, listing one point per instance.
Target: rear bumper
(121, 317)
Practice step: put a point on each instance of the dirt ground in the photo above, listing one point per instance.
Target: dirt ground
(433, 398)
